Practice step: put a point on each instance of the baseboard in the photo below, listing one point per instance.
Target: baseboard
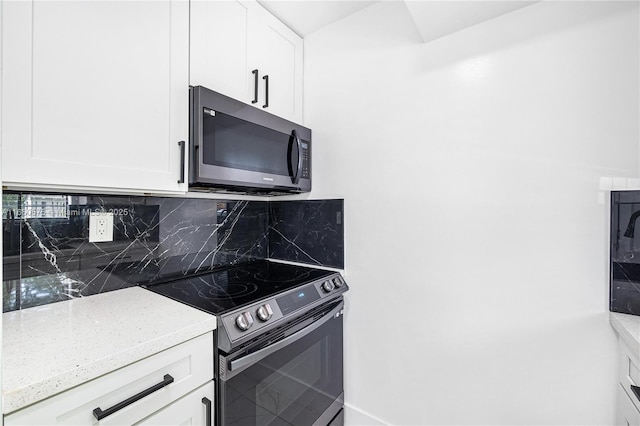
(356, 417)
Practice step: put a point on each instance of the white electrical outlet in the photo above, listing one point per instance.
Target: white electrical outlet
(100, 227)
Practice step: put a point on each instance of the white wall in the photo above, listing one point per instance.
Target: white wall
(475, 242)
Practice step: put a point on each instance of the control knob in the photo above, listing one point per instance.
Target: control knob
(327, 286)
(337, 281)
(264, 312)
(244, 321)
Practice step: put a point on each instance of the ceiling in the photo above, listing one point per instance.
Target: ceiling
(433, 18)
(306, 16)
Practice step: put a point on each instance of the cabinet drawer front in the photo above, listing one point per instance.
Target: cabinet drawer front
(628, 414)
(188, 410)
(629, 373)
(190, 364)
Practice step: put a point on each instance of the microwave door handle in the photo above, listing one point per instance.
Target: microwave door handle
(240, 364)
(296, 176)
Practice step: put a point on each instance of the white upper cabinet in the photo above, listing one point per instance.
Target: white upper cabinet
(241, 50)
(219, 53)
(95, 94)
(278, 54)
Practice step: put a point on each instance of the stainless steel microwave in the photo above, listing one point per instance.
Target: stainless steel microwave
(237, 147)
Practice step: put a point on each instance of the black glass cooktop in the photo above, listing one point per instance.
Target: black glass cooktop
(228, 289)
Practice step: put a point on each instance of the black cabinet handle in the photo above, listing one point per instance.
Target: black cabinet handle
(99, 414)
(266, 91)
(207, 403)
(636, 391)
(255, 86)
(181, 144)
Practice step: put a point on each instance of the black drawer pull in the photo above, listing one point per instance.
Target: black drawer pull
(99, 414)
(207, 404)
(636, 391)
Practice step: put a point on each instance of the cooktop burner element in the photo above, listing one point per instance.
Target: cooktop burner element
(226, 290)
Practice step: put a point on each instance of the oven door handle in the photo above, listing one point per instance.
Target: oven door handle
(241, 363)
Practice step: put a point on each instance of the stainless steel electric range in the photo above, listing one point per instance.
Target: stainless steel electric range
(278, 356)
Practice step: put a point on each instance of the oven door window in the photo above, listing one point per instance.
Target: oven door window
(234, 143)
(293, 386)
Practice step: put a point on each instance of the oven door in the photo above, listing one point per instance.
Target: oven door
(294, 380)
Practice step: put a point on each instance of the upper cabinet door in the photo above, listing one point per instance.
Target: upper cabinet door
(95, 94)
(278, 51)
(219, 36)
(232, 38)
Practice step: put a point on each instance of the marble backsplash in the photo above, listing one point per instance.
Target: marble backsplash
(47, 256)
(309, 231)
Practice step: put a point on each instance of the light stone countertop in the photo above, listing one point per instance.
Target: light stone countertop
(628, 327)
(51, 348)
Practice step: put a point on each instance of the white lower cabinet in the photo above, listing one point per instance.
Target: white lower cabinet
(194, 409)
(628, 412)
(188, 367)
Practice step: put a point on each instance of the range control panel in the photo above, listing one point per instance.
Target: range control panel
(259, 316)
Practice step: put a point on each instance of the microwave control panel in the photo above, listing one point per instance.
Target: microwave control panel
(305, 160)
